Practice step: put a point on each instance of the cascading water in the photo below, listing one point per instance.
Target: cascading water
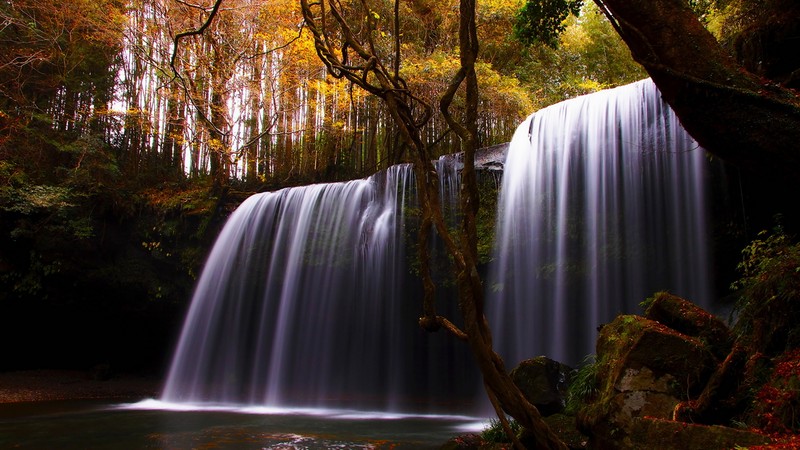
(602, 205)
(307, 299)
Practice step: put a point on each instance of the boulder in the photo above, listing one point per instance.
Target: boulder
(689, 319)
(658, 376)
(633, 342)
(670, 435)
(544, 383)
(564, 427)
(644, 369)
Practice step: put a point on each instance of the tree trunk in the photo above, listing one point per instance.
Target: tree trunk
(357, 62)
(218, 127)
(501, 389)
(733, 114)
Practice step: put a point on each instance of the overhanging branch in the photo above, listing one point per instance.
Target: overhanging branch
(195, 32)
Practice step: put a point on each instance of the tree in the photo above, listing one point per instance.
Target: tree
(57, 67)
(354, 44)
(748, 121)
(543, 20)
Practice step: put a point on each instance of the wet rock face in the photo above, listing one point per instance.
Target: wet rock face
(544, 383)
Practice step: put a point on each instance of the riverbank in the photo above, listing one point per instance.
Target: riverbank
(48, 385)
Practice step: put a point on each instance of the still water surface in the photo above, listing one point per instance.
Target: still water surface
(152, 424)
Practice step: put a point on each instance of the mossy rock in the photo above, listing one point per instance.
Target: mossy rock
(565, 428)
(671, 435)
(634, 342)
(689, 319)
(544, 383)
(644, 370)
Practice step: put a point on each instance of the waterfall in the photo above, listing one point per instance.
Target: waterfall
(308, 298)
(602, 204)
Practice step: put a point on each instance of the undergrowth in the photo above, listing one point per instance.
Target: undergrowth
(495, 434)
(583, 386)
(768, 304)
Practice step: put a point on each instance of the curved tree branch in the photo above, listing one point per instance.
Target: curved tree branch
(401, 105)
(733, 114)
(176, 41)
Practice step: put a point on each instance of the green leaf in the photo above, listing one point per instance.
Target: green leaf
(542, 21)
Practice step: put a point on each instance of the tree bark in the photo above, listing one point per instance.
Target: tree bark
(357, 61)
(736, 116)
(500, 387)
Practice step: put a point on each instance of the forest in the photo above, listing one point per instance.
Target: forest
(130, 130)
(122, 153)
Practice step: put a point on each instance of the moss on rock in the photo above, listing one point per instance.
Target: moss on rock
(687, 318)
(644, 370)
(671, 435)
(544, 383)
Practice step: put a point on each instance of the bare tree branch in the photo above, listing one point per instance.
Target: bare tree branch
(195, 32)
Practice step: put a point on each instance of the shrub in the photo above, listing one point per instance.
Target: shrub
(583, 385)
(768, 305)
(495, 434)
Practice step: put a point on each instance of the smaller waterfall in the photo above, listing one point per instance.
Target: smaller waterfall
(306, 301)
(602, 204)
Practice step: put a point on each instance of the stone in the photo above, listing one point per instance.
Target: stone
(564, 427)
(671, 435)
(544, 383)
(644, 370)
(689, 319)
(634, 342)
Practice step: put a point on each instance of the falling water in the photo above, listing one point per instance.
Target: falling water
(602, 205)
(306, 300)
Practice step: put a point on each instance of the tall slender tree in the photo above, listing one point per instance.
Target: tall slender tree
(370, 56)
